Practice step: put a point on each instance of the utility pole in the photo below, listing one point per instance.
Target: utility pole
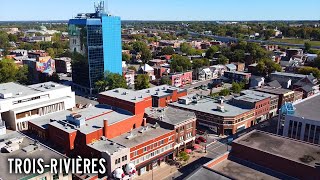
(205, 148)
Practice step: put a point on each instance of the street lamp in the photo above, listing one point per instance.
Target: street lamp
(279, 118)
(205, 148)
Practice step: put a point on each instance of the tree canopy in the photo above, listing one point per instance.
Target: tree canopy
(142, 82)
(308, 70)
(10, 72)
(111, 81)
(168, 50)
(266, 67)
(180, 63)
(211, 51)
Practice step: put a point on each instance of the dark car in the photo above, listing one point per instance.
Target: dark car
(197, 141)
(202, 139)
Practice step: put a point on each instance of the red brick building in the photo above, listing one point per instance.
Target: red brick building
(163, 95)
(181, 79)
(288, 156)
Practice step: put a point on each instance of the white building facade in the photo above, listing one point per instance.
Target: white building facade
(19, 103)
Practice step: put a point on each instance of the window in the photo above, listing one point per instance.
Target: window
(135, 153)
(43, 178)
(162, 142)
(145, 149)
(117, 161)
(124, 158)
(154, 145)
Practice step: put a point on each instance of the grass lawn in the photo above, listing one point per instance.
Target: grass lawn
(297, 41)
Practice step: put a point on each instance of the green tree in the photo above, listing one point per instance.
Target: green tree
(51, 52)
(180, 63)
(146, 55)
(166, 80)
(138, 46)
(308, 70)
(142, 82)
(10, 72)
(111, 81)
(132, 68)
(211, 51)
(222, 60)
(307, 47)
(199, 63)
(13, 37)
(4, 40)
(266, 67)
(168, 50)
(224, 92)
(236, 87)
(127, 47)
(126, 57)
(186, 48)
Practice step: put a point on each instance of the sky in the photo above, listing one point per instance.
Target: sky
(173, 10)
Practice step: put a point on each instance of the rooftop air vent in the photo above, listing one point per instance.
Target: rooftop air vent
(155, 126)
(103, 138)
(130, 136)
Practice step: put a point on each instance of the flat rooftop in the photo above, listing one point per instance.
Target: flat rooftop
(126, 94)
(258, 93)
(95, 116)
(138, 137)
(28, 143)
(105, 145)
(210, 106)
(160, 91)
(239, 171)
(281, 146)
(237, 72)
(206, 174)
(251, 97)
(17, 90)
(308, 108)
(170, 115)
(277, 91)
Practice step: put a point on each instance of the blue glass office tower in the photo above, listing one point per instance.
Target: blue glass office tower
(96, 37)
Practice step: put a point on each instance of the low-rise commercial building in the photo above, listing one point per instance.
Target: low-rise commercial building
(164, 94)
(293, 158)
(20, 104)
(181, 121)
(63, 65)
(304, 123)
(273, 104)
(221, 117)
(284, 95)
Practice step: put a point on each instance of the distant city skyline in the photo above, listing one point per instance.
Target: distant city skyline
(164, 10)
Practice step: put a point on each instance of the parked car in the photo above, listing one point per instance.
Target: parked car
(202, 139)
(197, 141)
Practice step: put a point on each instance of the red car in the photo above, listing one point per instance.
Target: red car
(201, 139)
(197, 141)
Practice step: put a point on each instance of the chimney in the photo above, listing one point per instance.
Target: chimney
(144, 122)
(105, 126)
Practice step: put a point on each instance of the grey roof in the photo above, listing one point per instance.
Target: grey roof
(280, 146)
(272, 90)
(99, 113)
(160, 91)
(231, 66)
(170, 115)
(42, 152)
(208, 105)
(308, 108)
(275, 84)
(206, 174)
(126, 94)
(252, 97)
(19, 90)
(139, 138)
(258, 93)
(105, 145)
(307, 88)
(237, 72)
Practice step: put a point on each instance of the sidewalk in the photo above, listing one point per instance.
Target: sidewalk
(158, 173)
(165, 170)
